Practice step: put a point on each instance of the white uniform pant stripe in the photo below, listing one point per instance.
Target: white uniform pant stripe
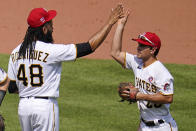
(170, 126)
(53, 118)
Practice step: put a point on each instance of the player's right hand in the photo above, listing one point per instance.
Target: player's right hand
(116, 14)
(123, 20)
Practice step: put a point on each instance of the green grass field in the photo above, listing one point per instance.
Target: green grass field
(89, 100)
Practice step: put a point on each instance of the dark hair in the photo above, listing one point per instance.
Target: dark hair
(32, 35)
(156, 52)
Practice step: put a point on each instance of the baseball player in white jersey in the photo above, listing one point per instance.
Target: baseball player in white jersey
(35, 68)
(4, 83)
(152, 79)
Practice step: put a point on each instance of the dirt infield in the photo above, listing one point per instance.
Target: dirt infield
(77, 20)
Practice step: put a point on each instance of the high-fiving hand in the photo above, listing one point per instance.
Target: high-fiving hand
(116, 14)
(124, 18)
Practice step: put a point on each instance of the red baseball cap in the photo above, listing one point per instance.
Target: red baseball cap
(148, 38)
(39, 16)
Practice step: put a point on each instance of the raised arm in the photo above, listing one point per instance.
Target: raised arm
(116, 52)
(100, 36)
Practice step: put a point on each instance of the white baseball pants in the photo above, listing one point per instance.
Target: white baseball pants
(37, 114)
(166, 126)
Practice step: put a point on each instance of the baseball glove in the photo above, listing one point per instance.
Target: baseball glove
(127, 91)
(2, 125)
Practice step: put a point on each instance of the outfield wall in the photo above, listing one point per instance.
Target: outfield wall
(77, 20)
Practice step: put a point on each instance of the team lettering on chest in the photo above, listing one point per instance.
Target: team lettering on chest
(37, 55)
(145, 85)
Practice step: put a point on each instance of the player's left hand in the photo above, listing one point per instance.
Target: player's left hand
(127, 92)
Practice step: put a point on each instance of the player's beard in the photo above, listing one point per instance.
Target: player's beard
(48, 38)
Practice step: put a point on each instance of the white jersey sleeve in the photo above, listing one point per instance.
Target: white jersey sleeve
(167, 87)
(132, 62)
(3, 75)
(61, 52)
(164, 80)
(165, 83)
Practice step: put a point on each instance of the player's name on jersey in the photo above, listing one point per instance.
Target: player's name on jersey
(36, 55)
(145, 85)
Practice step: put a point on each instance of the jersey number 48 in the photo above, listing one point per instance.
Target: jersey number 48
(21, 75)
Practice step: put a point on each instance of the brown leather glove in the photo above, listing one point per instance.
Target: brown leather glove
(127, 91)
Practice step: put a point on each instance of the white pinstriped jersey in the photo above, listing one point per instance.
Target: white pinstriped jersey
(150, 80)
(40, 76)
